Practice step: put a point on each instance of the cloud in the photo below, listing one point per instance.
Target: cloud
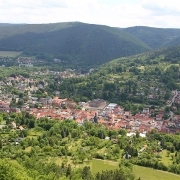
(162, 7)
(32, 4)
(117, 13)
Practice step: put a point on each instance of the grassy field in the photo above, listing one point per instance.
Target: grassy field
(34, 134)
(142, 172)
(97, 165)
(9, 53)
(152, 174)
(3, 122)
(100, 165)
(167, 160)
(28, 149)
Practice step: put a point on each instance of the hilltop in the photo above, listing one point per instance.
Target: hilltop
(84, 45)
(155, 37)
(78, 43)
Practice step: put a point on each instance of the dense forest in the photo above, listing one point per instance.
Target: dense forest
(155, 37)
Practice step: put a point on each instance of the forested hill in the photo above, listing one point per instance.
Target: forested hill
(83, 44)
(78, 42)
(8, 30)
(144, 79)
(155, 37)
(174, 42)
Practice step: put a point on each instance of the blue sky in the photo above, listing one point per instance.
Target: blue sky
(116, 13)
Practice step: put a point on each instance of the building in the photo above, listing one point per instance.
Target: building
(97, 103)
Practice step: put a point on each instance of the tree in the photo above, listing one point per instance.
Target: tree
(86, 173)
(137, 134)
(122, 132)
(32, 123)
(11, 170)
(68, 171)
(82, 157)
(1, 118)
(1, 144)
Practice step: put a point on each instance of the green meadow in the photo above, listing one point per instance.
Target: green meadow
(97, 165)
(9, 54)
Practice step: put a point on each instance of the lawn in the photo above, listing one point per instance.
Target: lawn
(74, 145)
(165, 159)
(3, 122)
(34, 133)
(152, 174)
(28, 149)
(9, 53)
(142, 172)
(98, 165)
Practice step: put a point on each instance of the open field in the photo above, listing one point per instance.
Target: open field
(9, 53)
(98, 165)
(28, 149)
(142, 172)
(152, 174)
(3, 122)
(34, 133)
(167, 160)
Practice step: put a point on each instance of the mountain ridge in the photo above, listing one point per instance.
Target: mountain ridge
(154, 37)
(83, 43)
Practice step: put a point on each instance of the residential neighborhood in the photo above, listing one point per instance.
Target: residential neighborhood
(109, 114)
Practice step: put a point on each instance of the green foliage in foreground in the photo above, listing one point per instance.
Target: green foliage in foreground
(56, 149)
(12, 170)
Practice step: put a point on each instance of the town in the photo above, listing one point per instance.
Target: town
(20, 94)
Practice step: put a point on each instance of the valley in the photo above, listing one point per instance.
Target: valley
(85, 101)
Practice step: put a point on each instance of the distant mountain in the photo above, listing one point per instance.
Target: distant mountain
(7, 24)
(85, 44)
(154, 37)
(8, 30)
(4, 24)
(174, 42)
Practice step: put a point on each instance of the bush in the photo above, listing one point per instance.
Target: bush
(98, 156)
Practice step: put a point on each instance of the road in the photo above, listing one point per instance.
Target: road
(173, 98)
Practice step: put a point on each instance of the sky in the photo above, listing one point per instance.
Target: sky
(115, 13)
